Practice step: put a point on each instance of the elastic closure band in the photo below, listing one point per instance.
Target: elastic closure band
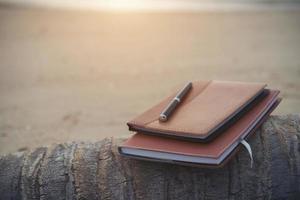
(248, 148)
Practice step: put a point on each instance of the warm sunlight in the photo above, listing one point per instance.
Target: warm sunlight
(149, 99)
(114, 4)
(157, 5)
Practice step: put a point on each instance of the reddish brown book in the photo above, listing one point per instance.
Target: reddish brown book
(208, 106)
(213, 153)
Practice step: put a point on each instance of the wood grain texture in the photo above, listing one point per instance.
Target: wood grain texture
(97, 171)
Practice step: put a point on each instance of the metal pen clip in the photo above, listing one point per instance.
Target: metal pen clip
(166, 113)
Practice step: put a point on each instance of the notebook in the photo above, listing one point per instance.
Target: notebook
(202, 114)
(212, 154)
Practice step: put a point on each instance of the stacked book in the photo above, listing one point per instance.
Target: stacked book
(200, 124)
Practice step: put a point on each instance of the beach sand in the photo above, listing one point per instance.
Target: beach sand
(80, 75)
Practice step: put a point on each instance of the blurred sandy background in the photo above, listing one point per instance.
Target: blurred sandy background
(80, 75)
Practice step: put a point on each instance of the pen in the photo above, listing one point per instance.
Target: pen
(166, 113)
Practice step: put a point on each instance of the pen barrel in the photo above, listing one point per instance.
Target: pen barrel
(168, 110)
(165, 114)
(184, 91)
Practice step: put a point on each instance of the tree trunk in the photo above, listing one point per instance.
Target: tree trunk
(96, 171)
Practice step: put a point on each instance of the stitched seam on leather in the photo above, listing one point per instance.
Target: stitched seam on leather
(186, 103)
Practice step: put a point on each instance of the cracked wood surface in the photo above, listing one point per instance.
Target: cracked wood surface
(96, 171)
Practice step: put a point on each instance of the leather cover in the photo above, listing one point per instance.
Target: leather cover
(207, 107)
(248, 122)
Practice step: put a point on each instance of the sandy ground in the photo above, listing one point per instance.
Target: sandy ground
(79, 75)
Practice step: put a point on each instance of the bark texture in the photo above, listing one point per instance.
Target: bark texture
(96, 171)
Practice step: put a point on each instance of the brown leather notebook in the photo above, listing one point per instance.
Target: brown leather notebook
(215, 153)
(207, 107)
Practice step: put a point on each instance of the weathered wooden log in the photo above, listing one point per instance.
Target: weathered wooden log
(97, 171)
